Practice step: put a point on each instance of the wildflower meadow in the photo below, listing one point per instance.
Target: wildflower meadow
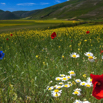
(62, 65)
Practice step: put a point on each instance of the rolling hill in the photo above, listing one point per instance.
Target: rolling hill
(70, 10)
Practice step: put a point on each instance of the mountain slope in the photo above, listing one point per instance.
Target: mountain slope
(23, 14)
(8, 15)
(78, 9)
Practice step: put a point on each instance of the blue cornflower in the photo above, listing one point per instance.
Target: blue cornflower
(1, 54)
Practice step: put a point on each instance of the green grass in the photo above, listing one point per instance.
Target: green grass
(23, 74)
(29, 24)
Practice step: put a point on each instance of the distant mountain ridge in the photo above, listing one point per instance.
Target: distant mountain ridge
(24, 14)
(7, 15)
(71, 10)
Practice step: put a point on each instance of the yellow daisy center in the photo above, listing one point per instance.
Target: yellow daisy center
(83, 83)
(59, 87)
(90, 57)
(88, 85)
(90, 79)
(71, 72)
(88, 54)
(49, 88)
(56, 90)
(74, 56)
(77, 80)
(65, 85)
(76, 92)
(68, 77)
(64, 78)
(58, 78)
(62, 75)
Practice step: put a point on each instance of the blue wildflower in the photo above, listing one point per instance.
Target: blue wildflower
(1, 54)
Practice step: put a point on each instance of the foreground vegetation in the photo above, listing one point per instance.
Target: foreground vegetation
(33, 60)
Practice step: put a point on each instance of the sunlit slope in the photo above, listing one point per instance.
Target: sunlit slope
(77, 9)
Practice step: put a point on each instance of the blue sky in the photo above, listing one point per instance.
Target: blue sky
(27, 5)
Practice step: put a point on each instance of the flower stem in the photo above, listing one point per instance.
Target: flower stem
(26, 63)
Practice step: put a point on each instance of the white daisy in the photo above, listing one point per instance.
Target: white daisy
(88, 84)
(58, 78)
(77, 80)
(83, 83)
(59, 86)
(50, 88)
(69, 77)
(77, 89)
(76, 92)
(64, 79)
(56, 91)
(74, 55)
(88, 54)
(66, 85)
(91, 58)
(72, 73)
(61, 83)
(55, 94)
(62, 75)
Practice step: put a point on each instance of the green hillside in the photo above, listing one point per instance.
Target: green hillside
(70, 10)
(73, 9)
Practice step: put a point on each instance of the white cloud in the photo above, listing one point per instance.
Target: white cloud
(3, 3)
(44, 3)
(26, 4)
(58, 1)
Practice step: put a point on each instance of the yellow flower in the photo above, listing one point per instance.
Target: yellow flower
(59, 46)
(70, 45)
(84, 75)
(85, 40)
(37, 56)
(78, 48)
(62, 56)
(90, 57)
(44, 63)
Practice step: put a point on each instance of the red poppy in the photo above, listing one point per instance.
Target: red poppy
(11, 34)
(101, 51)
(7, 39)
(87, 32)
(97, 81)
(71, 40)
(53, 35)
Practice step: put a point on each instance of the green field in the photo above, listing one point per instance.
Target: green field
(7, 26)
(32, 59)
